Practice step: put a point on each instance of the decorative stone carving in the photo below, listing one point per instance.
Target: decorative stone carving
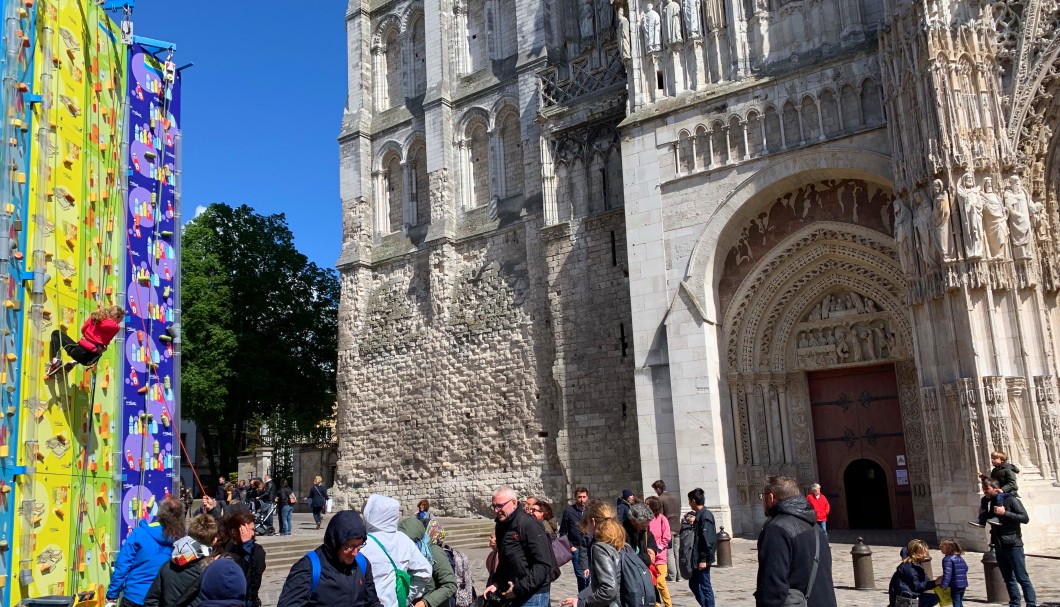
(622, 28)
(650, 25)
(971, 216)
(605, 18)
(1045, 399)
(904, 237)
(995, 221)
(942, 231)
(672, 12)
(842, 328)
(585, 20)
(1018, 203)
(690, 12)
(923, 222)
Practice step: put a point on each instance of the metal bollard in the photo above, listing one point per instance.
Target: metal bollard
(724, 548)
(926, 564)
(864, 579)
(996, 591)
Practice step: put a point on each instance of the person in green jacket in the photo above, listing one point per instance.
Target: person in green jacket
(443, 579)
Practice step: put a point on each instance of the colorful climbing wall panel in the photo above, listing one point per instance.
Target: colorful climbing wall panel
(17, 48)
(149, 407)
(66, 529)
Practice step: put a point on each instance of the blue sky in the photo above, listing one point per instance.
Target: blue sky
(261, 107)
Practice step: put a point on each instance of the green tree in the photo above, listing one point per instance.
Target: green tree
(260, 332)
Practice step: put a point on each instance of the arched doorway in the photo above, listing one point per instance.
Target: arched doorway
(868, 500)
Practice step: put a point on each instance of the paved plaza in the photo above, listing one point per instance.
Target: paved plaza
(733, 587)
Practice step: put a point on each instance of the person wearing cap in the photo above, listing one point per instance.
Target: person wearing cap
(340, 581)
(222, 584)
(622, 509)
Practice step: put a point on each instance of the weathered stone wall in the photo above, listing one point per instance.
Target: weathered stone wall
(439, 395)
(588, 287)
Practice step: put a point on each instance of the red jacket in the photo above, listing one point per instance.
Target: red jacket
(820, 505)
(96, 336)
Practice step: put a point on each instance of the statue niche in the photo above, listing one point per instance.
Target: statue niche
(845, 328)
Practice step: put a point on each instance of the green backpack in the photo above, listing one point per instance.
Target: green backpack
(402, 579)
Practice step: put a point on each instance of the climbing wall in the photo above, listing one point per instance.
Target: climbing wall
(66, 528)
(17, 48)
(149, 406)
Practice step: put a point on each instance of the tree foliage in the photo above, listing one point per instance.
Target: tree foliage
(260, 331)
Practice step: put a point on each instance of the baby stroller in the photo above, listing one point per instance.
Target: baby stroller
(262, 518)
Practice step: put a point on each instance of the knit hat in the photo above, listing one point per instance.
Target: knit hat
(222, 584)
(627, 493)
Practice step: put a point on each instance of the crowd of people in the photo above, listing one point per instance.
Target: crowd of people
(624, 554)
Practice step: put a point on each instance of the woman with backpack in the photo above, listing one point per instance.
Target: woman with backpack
(442, 586)
(332, 574)
(236, 541)
(607, 539)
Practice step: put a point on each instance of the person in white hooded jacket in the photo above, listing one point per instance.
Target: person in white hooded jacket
(381, 515)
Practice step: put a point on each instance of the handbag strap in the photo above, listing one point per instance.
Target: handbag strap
(392, 563)
(816, 560)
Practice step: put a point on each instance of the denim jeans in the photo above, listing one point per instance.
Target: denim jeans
(701, 588)
(285, 519)
(958, 597)
(1013, 565)
(580, 567)
(538, 600)
(824, 526)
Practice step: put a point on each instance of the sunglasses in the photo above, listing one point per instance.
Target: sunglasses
(350, 548)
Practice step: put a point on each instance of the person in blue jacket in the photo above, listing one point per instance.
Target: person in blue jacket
(144, 552)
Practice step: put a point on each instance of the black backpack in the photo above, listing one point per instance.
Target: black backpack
(688, 542)
(638, 587)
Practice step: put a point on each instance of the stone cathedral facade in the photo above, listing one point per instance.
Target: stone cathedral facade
(600, 242)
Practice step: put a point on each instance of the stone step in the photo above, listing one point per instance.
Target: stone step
(461, 534)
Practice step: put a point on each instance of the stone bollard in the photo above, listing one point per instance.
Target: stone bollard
(724, 548)
(927, 568)
(864, 579)
(996, 591)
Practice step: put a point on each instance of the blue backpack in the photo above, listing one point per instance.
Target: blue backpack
(314, 561)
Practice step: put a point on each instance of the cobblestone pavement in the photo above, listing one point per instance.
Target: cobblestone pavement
(734, 586)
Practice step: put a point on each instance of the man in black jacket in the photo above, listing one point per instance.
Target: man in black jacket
(1007, 538)
(339, 581)
(786, 548)
(703, 540)
(524, 555)
(622, 505)
(268, 496)
(570, 526)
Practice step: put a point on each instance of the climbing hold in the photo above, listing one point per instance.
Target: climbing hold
(143, 389)
(12, 357)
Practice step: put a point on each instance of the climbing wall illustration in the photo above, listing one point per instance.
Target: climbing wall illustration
(148, 412)
(67, 524)
(15, 97)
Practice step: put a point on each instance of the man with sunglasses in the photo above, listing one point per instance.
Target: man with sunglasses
(524, 568)
(336, 578)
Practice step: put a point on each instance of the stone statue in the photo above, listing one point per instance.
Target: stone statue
(995, 221)
(842, 351)
(605, 18)
(672, 11)
(585, 18)
(903, 236)
(941, 221)
(1017, 203)
(624, 50)
(922, 224)
(650, 24)
(971, 216)
(690, 11)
